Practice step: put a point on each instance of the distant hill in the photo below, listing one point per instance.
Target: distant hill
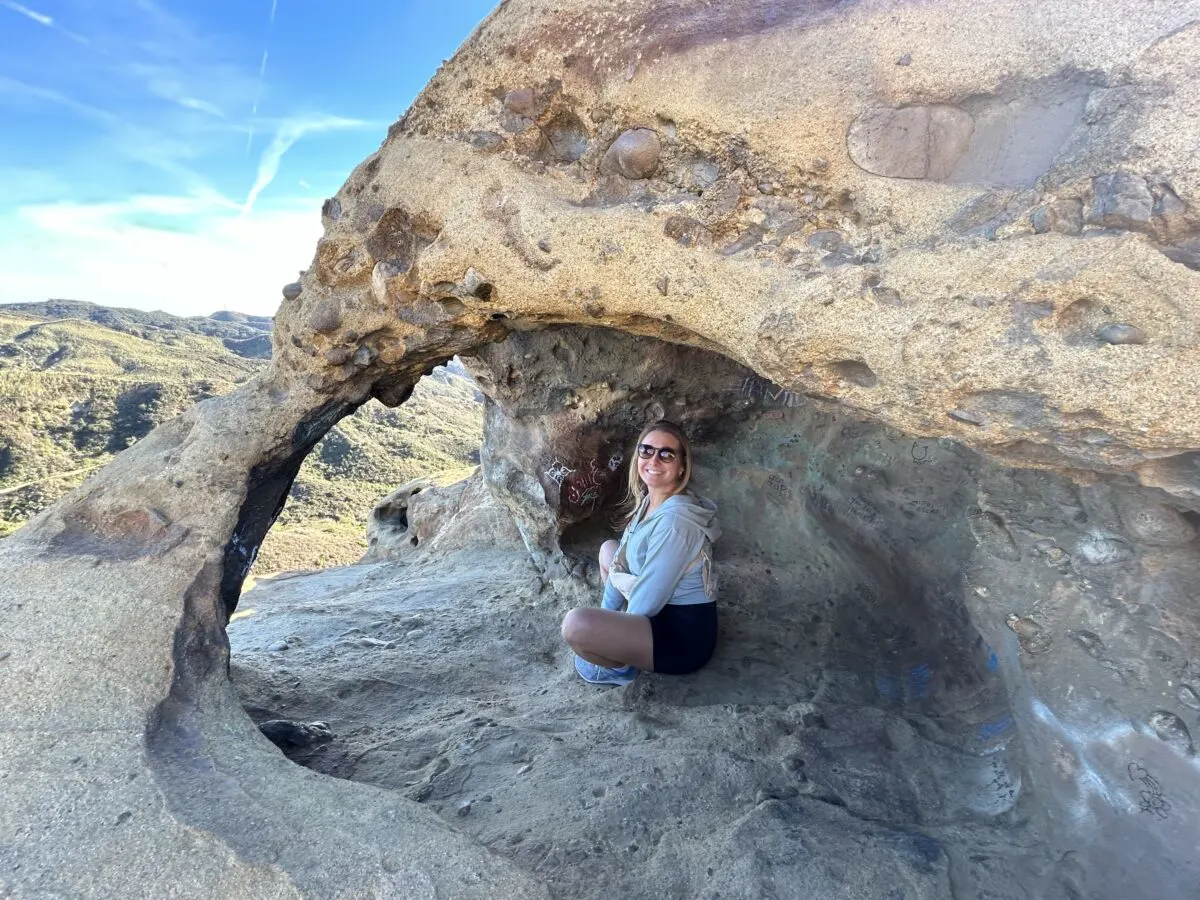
(80, 382)
(223, 324)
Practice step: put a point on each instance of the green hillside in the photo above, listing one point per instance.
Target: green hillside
(80, 383)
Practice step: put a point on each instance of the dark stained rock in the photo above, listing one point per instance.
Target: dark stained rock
(688, 232)
(1063, 217)
(565, 138)
(485, 140)
(522, 101)
(1121, 200)
(1120, 333)
(295, 735)
(1186, 254)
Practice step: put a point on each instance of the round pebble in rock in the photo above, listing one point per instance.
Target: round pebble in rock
(1119, 333)
(1155, 524)
(633, 155)
(292, 291)
(825, 239)
(1089, 641)
(325, 317)
(464, 808)
(1188, 696)
(1030, 633)
(392, 863)
(1171, 730)
(522, 102)
(278, 646)
(1103, 550)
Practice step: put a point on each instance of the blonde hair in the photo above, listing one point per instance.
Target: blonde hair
(635, 491)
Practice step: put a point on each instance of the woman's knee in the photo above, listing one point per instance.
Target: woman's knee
(607, 551)
(574, 626)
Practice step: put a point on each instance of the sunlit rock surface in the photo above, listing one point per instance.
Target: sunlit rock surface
(972, 224)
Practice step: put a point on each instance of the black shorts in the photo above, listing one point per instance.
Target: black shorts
(684, 637)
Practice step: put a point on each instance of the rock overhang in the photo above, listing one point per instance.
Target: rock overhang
(763, 238)
(1042, 319)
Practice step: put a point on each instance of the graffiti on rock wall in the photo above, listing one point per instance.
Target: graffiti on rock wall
(1151, 799)
(778, 490)
(558, 472)
(760, 389)
(585, 487)
(862, 510)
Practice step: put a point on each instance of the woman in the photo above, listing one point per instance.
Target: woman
(660, 574)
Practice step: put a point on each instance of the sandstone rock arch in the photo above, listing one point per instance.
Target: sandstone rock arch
(803, 188)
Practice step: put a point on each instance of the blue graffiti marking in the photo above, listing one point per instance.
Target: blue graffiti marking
(995, 728)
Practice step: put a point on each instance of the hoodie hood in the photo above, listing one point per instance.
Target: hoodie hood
(699, 511)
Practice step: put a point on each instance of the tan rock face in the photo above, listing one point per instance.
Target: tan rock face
(968, 221)
(933, 225)
(424, 516)
(910, 142)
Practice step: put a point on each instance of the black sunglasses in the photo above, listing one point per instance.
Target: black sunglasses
(666, 454)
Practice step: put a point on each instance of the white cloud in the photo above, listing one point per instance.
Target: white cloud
(201, 106)
(168, 83)
(42, 19)
(126, 253)
(11, 89)
(288, 132)
(164, 237)
(38, 17)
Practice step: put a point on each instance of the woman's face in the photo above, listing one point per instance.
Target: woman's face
(657, 473)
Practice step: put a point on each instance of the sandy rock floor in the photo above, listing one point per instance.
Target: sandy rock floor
(446, 679)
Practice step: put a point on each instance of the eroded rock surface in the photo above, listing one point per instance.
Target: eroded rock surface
(1025, 288)
(900, 618)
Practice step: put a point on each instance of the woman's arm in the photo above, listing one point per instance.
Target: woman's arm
(671, 548)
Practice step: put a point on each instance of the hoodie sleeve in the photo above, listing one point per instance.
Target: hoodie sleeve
(670, 548)
(612, 598)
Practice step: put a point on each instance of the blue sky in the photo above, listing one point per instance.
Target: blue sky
(174, 154)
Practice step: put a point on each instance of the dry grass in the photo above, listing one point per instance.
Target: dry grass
(75, 393)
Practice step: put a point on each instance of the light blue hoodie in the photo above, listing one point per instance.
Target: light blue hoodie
(670, 552)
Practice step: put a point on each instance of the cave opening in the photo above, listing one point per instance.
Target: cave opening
(855, 674)
(368, 459)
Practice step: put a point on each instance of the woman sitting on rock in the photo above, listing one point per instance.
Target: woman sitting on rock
(659, 611)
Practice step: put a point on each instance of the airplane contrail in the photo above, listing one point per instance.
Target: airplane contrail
(262, 74)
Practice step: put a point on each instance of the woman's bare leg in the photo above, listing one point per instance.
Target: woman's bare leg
(609, 638)
(607, 551)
